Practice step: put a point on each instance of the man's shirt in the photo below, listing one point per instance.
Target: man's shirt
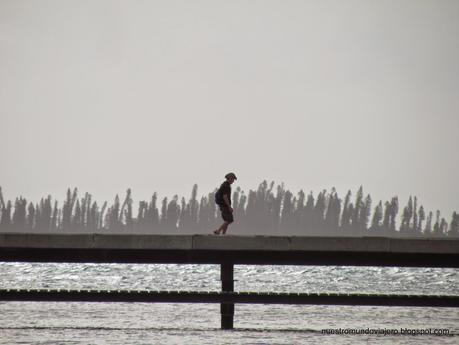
(225, 189)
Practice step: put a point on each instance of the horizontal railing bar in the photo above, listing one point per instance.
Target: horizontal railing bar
(148, 296)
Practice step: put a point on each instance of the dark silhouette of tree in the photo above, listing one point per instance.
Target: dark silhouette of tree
(377, 218)
(422, 217)
(194, 208)
(68, 209)
(184, 218)
(141, 224)
(286, 221)
(275, 206)
(84, 212)
(352, 230)
(30, 217)
(163, 218)
(443, 227)
(173, 213)
(428, 228)
(113, 215)
(19, 215)
(37, 218)
(251, 210)
(43, 215)
(2, 203)
(207, 212)
(87, 212)
(212, 210)
(126, 211)
(406, 217)
(236, 199)
(454, 226)
(319, 214)
(386, 217)
(240, 210)
(54, 219)
(102, 216)
(148, 216)
(76, 220)
(337, 212)
(93, 219)
(410, 219)
(358, 206)
(299, 213)
(332, 213)
(436, 229)
(6, 221)
(393, 215)
(189, 213)
(308, 214)
(364, 215)
(415, 215)
(261, 211)
(153, 213)
(346, 214)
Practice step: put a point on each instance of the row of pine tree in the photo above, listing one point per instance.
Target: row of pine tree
(269, 210)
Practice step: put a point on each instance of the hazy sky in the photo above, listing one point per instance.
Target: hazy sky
(159, 95)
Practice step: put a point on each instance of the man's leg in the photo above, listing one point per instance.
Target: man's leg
(228, 218)
(222, 227)
(225, 227)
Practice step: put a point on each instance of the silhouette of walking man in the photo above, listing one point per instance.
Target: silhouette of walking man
(223, 200)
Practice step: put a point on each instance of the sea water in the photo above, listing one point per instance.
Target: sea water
(167, 323)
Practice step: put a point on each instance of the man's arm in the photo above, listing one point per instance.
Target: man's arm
(226, 200)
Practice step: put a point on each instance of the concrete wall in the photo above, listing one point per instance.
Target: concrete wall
(212, 242)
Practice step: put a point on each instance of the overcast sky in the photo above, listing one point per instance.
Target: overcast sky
(159, 95)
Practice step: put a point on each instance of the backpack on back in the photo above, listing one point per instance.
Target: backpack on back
(219, 198)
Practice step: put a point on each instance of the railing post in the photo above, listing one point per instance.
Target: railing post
(227, 309)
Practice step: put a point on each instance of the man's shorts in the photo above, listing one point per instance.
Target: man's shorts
(227, 215)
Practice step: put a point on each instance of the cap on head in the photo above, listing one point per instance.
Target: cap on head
(227, 176)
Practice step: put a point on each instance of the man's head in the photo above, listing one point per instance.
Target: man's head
(230, 177)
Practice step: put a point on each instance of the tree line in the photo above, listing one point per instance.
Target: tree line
(268, 210)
